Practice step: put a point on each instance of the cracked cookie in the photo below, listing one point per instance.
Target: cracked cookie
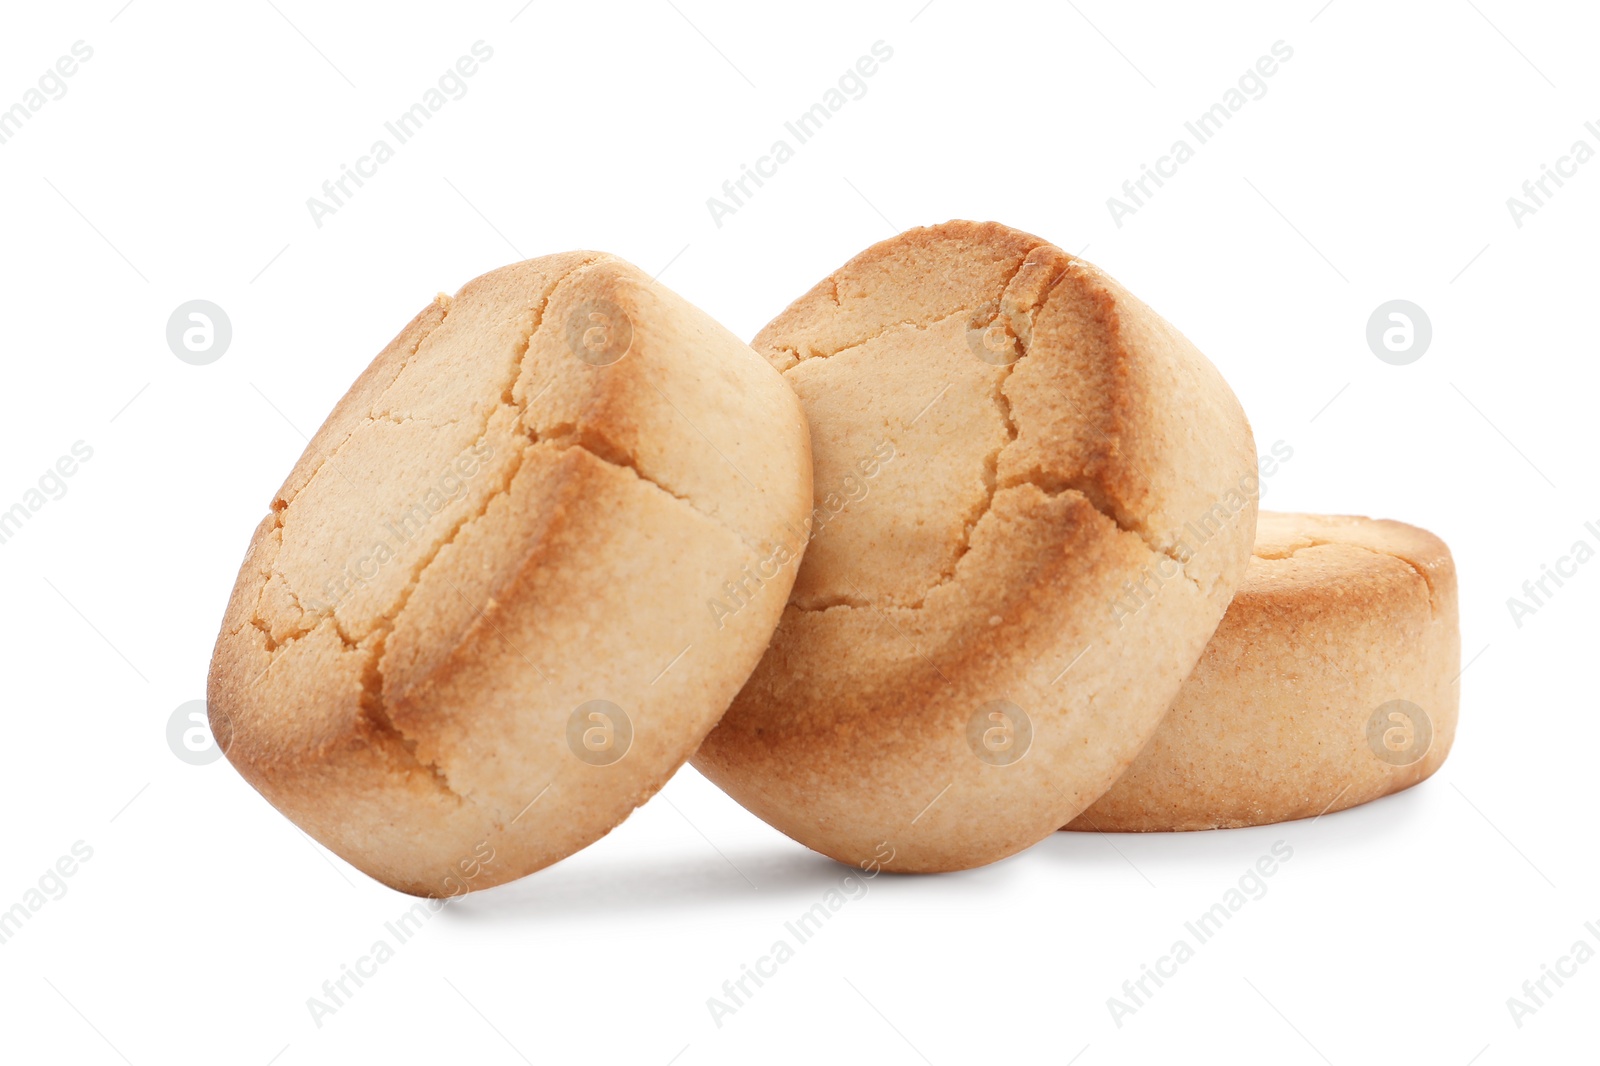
(472, 635)
(1329, 683)
(960, 669)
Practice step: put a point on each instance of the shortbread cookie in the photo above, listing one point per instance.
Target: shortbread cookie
(476, 621)
(1330, 682)
(1034, 499)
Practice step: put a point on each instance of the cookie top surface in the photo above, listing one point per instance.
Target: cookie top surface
(486, 370)
(927, 334)
(1346, 559)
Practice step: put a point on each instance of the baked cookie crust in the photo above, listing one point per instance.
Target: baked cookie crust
(983, 638)
(475, 621)
(1330, 682)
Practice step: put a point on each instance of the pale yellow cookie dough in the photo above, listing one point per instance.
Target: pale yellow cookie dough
(959, 671)
(472, 635)
(1330, 682)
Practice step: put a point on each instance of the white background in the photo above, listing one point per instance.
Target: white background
(1377, 166)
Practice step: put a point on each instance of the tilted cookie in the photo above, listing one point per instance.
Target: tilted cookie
(1330, 682)
(1034, 499)
(473, 635)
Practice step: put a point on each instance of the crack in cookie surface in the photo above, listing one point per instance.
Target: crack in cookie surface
(1018, 324)
(370, 640)
(1306, 542)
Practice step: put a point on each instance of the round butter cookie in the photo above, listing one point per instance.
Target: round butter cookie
(1034, 499)
(473, 633)
(1330, 682)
